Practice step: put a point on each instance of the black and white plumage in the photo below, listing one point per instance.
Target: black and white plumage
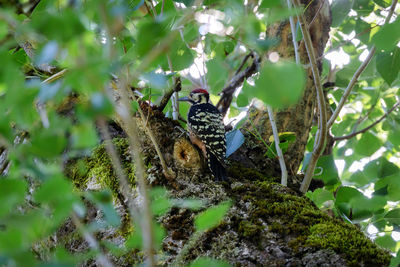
(207, 131)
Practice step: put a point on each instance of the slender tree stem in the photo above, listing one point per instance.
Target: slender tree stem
(322, 129)
(358, 72)
(345, 137)
(293, 29)
(278, 148)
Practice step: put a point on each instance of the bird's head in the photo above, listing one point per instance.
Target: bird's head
(197, 96)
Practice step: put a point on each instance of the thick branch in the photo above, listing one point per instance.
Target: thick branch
(358, 72)
(345, 137)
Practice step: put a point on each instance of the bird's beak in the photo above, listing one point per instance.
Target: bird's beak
(184, 99)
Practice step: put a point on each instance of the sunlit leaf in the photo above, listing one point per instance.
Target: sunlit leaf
(388, 65)
(388, 36)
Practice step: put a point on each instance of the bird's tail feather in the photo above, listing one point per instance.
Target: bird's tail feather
(217, 169)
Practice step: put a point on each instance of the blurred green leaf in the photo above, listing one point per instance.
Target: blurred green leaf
(84, 135)
(340, 10)
(12, 192)
(50, 23)
(211, 217)
(274, 89)
(160, 203)
(217, 74)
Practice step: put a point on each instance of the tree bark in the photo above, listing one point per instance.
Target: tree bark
(301, 117)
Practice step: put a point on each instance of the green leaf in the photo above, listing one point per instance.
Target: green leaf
(211, 217)
(383, 3)
(207, 262)
(275, 89)
(181, 56)
(320, 196)
(217, 73)
(160, 203)
(3, 29)
(388, 65)
(234, 140)
(51, 23)
(329, 173)
(395, 262)
(149, 34)
(363, 7)
(84, 135)
(393, 216)
(388, 36)
(48, 143)
(12, 193)
(340, 10)
(386, 242)
(368, 144)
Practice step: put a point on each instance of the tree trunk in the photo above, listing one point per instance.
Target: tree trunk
(299, 118)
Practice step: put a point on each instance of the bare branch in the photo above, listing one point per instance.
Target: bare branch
(345, 137)
(167, 95)
(237, 80)
(358, 72)
(322, 129)
(278, 148)
(293, 29)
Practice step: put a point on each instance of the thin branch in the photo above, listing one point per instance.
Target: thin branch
(168, 173)
(322, 129)
(131, 129)
(278, 148)
(167, 95)
(345, 137)
(244, 62)
(102, 260)
(174, 99)
(237, 80)
(358, 72)
(293, 29)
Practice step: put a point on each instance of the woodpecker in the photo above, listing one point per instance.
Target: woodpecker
(207, 131)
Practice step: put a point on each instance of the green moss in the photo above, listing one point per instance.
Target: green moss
(236, 170)
(307, 226)
(77, 170)
(250, 229)
(346, 239)
(99, 166)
